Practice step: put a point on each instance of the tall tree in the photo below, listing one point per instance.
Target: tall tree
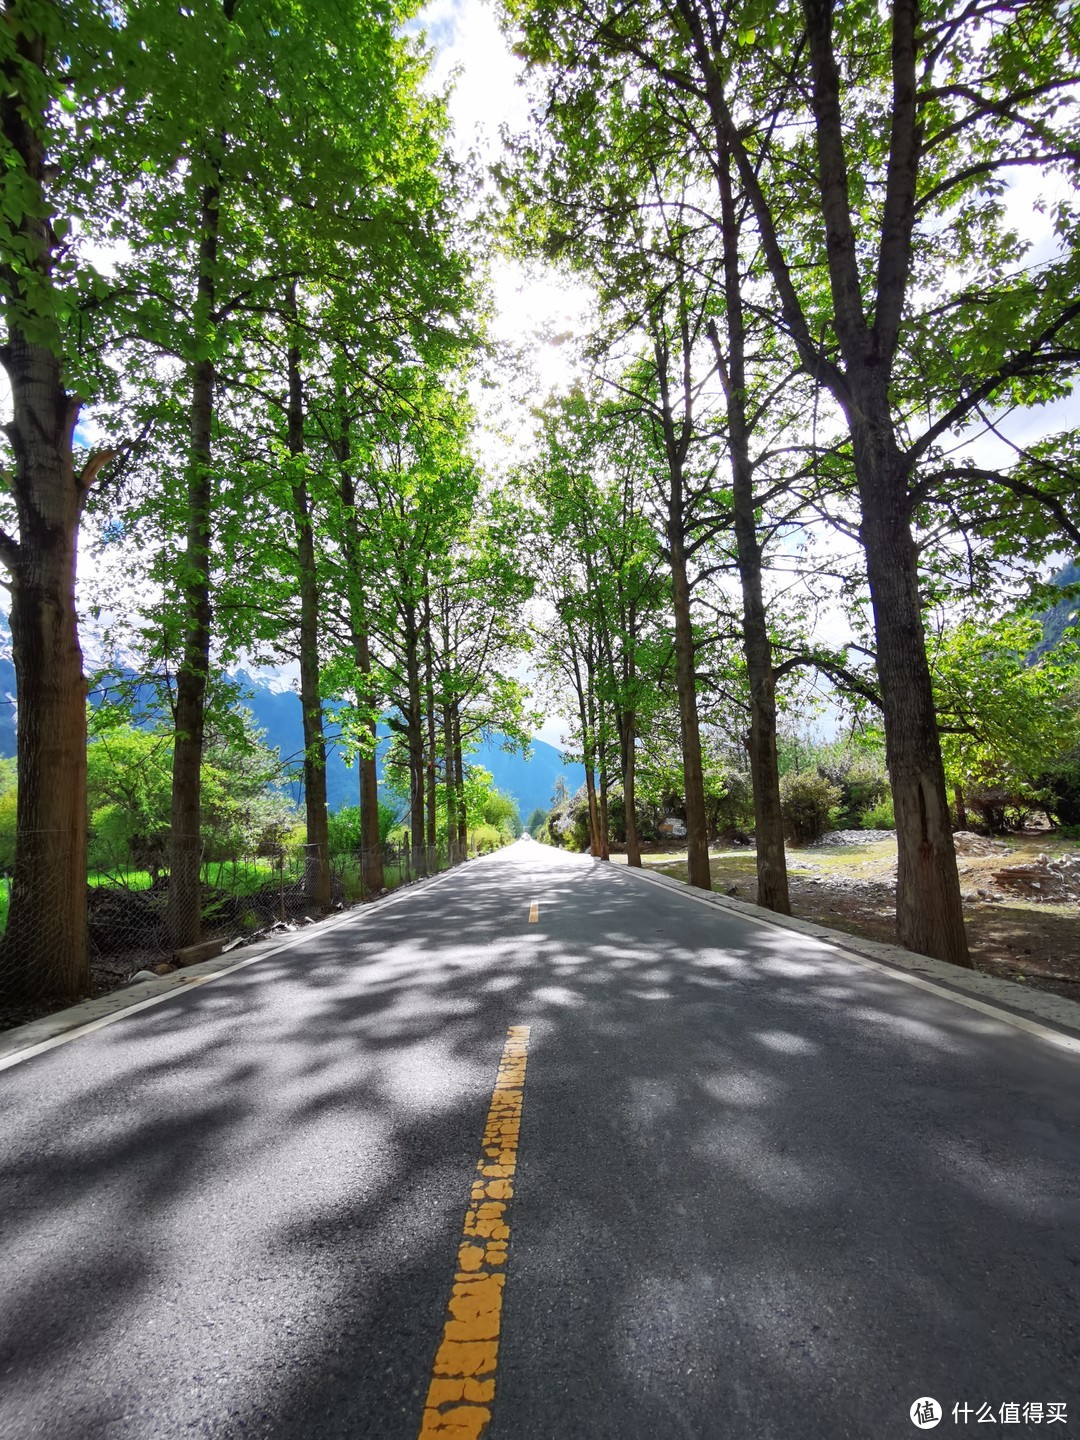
(44, 948)
(941, 107)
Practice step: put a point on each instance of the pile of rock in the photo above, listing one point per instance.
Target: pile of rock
(1047, 877)
(966, 842)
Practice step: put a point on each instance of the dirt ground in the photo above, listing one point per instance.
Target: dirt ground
(852, 888)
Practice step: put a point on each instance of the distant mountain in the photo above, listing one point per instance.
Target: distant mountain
(276, 710)
(530, 782)
(1062, 616)
(7, 703)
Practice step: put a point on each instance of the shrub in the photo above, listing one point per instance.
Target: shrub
(1061, 782)
(485, 838)
(862, 781)
(568, 823)
(344, 827)
(879, 816)
(646, 818)
(999, 807)
(808, 802)
(729, 802)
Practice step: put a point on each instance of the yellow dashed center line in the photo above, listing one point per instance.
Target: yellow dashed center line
(458, 1405)
(534, 912)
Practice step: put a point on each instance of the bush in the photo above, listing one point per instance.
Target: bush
(568, 823)
(537, 819)
(729, 802)
(879, 816)
(1061, 782)
(808, 803)
(999, 807)
(862, 780)
(485, 838)
(344, 827)
(644, 815)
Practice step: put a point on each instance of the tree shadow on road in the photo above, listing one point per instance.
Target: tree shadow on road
(750, 1174)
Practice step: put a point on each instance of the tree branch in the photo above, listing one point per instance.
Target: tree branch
(1018, 364)
(898, 217)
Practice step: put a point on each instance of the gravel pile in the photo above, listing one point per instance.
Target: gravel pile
(966, 842)
(1047, 877)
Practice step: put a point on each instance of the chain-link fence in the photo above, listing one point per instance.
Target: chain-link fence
(128, 924)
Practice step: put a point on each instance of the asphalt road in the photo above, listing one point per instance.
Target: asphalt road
(760, 1191)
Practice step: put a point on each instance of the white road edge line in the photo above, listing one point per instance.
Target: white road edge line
(18, 1056)
(1018, 1022)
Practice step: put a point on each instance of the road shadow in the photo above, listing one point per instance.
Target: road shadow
(756, 1181)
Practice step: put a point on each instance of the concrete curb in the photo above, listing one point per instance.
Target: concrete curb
(22, 1041)
(985, 991)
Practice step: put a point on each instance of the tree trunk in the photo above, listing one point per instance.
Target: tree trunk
(414, 733)
(317, 869)
(43, 954)
(929, 911)
(961, 808)
(432, 744)
(184, 917)
(627, 733)
(602, 812)
(697, 838)
(371, 857)
(772, 879)
(459, 783)
(185, 844)
(449, 785)
(370, 843)
(588, 754)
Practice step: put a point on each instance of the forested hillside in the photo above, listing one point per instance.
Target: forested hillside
(808, 452)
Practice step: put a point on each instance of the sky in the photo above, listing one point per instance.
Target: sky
(531, 305)
(474, 58)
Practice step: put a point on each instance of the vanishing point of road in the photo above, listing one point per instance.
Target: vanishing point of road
(541, 1149)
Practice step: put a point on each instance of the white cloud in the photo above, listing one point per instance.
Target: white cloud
(473, 56)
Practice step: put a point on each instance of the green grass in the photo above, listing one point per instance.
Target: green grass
(129, 879)
(243, 878)
(236, 880)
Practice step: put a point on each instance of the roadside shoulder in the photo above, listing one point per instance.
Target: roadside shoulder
(986, 991)
(23, 1041)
